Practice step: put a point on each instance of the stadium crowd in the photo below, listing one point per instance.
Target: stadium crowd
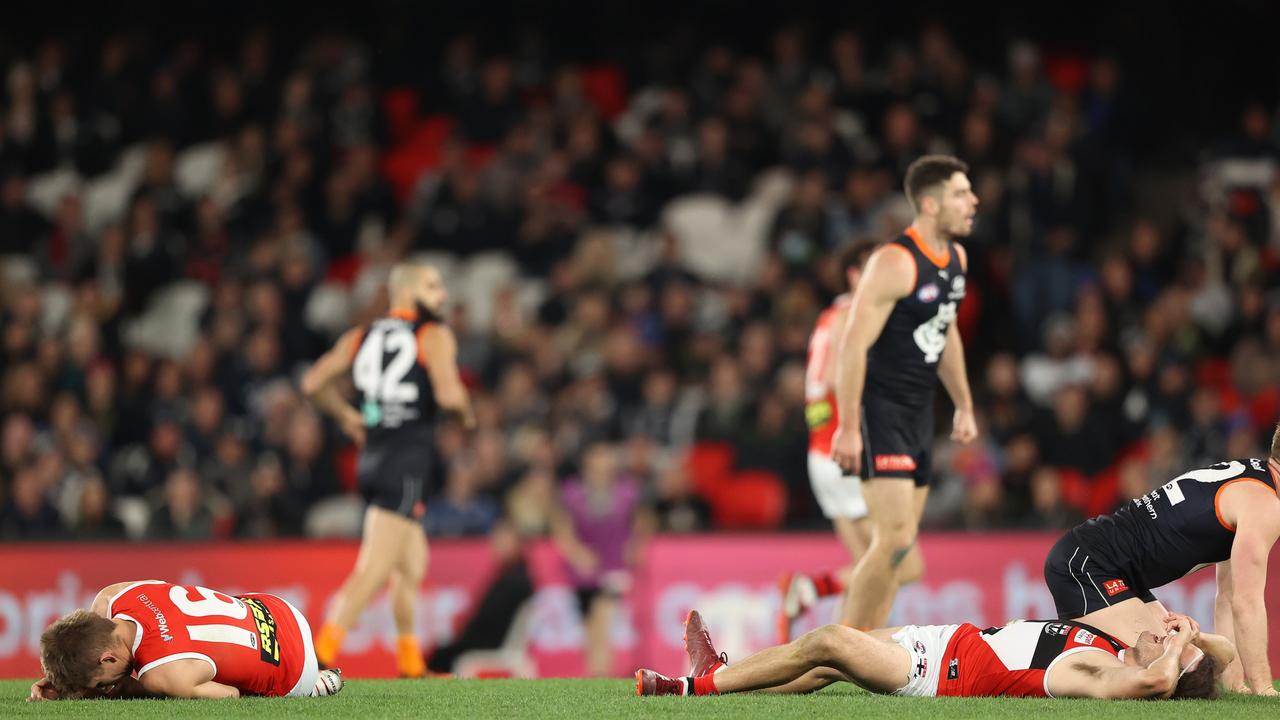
(635, 257)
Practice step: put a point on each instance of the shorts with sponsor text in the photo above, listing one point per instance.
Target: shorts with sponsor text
(897, 441)
(1081, 581)
(927, 647)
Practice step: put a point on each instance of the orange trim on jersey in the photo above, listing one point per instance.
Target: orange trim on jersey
(422, 355)
(915, 273)
(940, 260)
(402, 314)
(1218, 496)
(355, 346)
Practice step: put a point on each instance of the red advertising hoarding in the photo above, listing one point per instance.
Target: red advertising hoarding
(984, 579)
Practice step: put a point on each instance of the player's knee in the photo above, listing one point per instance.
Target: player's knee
(822, 644)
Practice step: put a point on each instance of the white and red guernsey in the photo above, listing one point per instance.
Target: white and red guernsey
(820, 398)
(1014, 660)
(253, 642)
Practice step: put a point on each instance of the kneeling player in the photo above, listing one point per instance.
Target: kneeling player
(156, 639)
(1021, 659)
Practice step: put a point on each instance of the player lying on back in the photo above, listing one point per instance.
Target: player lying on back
(1021, 659)
(156, 639)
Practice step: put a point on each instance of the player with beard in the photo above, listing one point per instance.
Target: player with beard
(899, 339)
(405, 371)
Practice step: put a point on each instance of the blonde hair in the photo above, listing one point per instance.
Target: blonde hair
(70, 649)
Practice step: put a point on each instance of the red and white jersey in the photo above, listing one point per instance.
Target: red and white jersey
(1015, 660)
(820, 398)
(253, 642)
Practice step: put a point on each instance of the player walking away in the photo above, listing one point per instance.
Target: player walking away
(1021, 659)
(404, 367)
(156, 639)
(899, 335)
(1227, 514)
(839, 496)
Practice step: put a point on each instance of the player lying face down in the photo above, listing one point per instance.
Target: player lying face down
(156, 639)
(1021, 659)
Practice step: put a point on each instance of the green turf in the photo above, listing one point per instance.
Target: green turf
(591, 699)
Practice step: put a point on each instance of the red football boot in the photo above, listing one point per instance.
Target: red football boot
(703, 658)
(649, 682)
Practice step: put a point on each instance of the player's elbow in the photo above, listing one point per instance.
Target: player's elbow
(1151, 685)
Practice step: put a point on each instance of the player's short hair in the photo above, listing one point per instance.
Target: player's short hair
(928, 172)
(1275, 444)
(70, 648)
(1199, 684)
(854, 255)
(406, 274)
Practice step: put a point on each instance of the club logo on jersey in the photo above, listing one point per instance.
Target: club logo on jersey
(1057, 629)
(1084, 637)
(895, 463)
(931, 336)
(928, 293)
(953, 669)
(1114, 587)
(957, 288)
(268, 638)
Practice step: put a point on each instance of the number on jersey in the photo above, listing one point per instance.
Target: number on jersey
(1212, 474)
(386, 384)
(213, 604)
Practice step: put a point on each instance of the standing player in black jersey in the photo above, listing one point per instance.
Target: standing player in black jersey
(899, 337)
(1103, 570)
(405, 371)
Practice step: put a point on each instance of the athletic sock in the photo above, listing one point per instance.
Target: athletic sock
(705, 685)
(328, 643)
(828, 584)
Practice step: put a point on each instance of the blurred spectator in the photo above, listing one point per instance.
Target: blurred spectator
(95, 519)
(27, 514)
(508, 590)
(182, 513)
(463, 508)
(598, 532)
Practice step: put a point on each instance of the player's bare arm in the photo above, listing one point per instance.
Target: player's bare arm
(1233, 675)
(319, 384)
(831, 370)
(440, 349)
(954, 376)
(1094, 675)
(889, 276)
(186, 678)
(1253, 509)
(951, 370)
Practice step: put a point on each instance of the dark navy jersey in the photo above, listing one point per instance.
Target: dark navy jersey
(1173, 530)
(902, 365)
(395, 395)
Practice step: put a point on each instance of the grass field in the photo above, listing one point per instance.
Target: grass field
(591, 699)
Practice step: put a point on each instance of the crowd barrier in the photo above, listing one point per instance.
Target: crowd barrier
(732, 579)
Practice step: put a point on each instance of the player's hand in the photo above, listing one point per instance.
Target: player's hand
(42, 689)
(1182, 629)
(964, 428)
(353, 427)
(846, 449)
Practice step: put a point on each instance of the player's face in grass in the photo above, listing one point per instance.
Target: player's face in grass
(112, 668)
(957, 206)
